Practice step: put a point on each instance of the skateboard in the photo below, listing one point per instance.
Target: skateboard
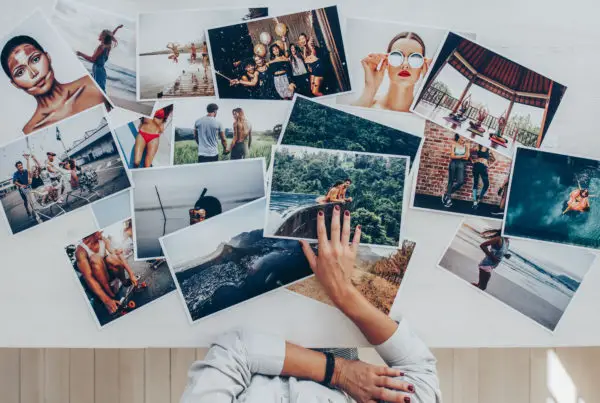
(125, 297)
(497, 142)
(475, 131)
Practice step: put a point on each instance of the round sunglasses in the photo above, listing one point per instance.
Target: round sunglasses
(396, 59)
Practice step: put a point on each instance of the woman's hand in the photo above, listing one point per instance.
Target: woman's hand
(234, 82)
(374, 77)
(334, 265)
(368, 383)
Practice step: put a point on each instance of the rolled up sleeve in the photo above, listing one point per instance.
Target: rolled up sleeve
(405, 351)
(229, 365)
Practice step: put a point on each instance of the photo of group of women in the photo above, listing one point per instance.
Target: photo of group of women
(172, 52)
(277, 57)
(146, 141)
(60, 169)
(486, 97)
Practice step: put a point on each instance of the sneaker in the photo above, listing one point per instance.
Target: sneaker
(444, 198)
(448, 203)
(499, 212)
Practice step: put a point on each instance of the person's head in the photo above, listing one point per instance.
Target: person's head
(107, 38)
(275, 50)
(482, 148)
(338, 184)
(19, 166)
(238, 114)
(294, 49)
(347, 182)
(584, 193)
(212, 109)
(459, 139)
(210, 204)
(259, 61)
(302, 39)
(197, 215)
(71, 164)
(491, 233)
(127, 228)
(406, 59)
(51, 156)
(27, 65)
(249, 66)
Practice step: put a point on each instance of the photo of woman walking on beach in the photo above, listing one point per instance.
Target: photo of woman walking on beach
(100, 56)
(242, 135)
(148, 137)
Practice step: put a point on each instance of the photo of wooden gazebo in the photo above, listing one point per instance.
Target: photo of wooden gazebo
(482, 95)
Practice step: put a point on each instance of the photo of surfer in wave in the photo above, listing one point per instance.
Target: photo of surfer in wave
(552, 197)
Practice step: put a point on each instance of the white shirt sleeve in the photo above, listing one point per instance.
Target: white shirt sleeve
(405, 351)
(229, 365)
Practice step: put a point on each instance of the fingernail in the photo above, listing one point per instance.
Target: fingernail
(337, 207)
(358, 226)
(346, 213)
(406, 399)
(321, 212)
(411, 388)
(401, 374)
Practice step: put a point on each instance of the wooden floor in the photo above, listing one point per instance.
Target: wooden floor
(568, 375)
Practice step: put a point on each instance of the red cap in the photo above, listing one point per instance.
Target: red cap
(160, 114)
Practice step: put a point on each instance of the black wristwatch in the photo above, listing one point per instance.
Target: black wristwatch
(329, 367)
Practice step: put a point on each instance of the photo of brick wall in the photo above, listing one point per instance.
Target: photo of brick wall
(433, 174)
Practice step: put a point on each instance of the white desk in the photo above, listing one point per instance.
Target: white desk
(40, 304)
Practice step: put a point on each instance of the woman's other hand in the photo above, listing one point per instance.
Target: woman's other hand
(335, 262)
(373, 75)
(368, 383)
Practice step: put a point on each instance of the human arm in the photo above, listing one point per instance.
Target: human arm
(196, 135)
(484, 246)
(246, 82)
(249, 136)
(85, 269)
(373, 78)
(92, 58)
(223, 140)
(117, 28)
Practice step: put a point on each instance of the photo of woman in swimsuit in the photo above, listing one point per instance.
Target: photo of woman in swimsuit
(148, 138)
(337, 193)
(100, 56)
(242, 135)
(405, 64)
(29, 68)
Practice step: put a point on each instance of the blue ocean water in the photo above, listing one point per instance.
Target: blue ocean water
(286, 203)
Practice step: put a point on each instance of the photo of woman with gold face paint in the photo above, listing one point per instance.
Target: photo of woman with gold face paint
(28, 62)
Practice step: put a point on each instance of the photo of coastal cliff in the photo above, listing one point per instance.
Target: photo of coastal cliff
(225, 261)
(537, 279)
(307, 180)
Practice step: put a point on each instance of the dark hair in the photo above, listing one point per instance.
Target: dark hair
(168, 110)
(273, 46)
(338, 183)
(491, 233)
(17, 163)
(212, 108)
(248, 62)
(303, 34)
(348, 180)
(11, 45)
(210, 204)
(298, 54)
(587, 192)
(407, 35)
(456, 137)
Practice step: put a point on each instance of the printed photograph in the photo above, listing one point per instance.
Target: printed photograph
(457, 175)
(173, 60)
(536, 279)
(112, 209)
(42, 81)
(488, 98)
(60, 169)
(554, 198)
(168, 199)
(275, 58)
(105, 43)
(378, 273)
(113, 283)
(388, 62)
(226, 261)
(224, 129)
(313, 124)
(308, 180)
(146, 142)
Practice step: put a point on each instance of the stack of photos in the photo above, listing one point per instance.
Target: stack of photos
(249, 128)
(147, 141)
(388, 62)
(277, 57)
(42, 81)
(308, 180)
(459, 176)
(225, 261)
(173, 59)
(486, 97)
(60, 169)
(378, 273)
(111, 281)
(313, 124)
(105, 44)
(552, 198)
(536, 279)
(168, 199)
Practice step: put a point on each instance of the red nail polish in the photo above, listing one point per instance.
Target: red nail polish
(337, 207)
(321, 212)
(346, 213)
(358, 226)
(411, 388)
(401, 373)
(406, 399)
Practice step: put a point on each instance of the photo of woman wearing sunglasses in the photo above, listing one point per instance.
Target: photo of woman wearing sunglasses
(404, 63)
